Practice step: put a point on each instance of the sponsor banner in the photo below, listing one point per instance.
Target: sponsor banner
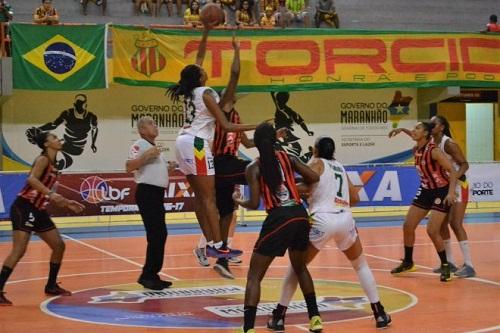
(62, 57)
(101, 193)
(114, 193)
(484, 182)
(99, 126)
(310, 59)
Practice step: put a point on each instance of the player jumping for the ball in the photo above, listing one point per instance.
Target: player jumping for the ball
(78, 122)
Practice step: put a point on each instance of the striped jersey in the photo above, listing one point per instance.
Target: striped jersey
(287, 194)
(48, 179)
(227, 143)
(432, 174)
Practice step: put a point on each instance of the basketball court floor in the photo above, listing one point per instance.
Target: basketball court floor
(101, 269)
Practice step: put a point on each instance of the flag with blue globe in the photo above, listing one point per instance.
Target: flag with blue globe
(59, 57)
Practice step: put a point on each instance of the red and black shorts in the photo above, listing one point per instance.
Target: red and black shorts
(284, 228)
(26, 217)
(229, 171)
(431, 199)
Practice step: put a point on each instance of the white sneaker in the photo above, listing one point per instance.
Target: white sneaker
(201, 257)
(234, 260)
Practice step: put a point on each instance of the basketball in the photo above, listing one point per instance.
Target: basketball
(212, 15)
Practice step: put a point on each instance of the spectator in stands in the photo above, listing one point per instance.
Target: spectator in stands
(6, 12)
(297, 11)
(493, 26)
(170, 7)
(230, 8)
(144, 6)
(46, 14)
(101, 3)
(325, 12)
(269, 19)
(192, 14)
(244, 16)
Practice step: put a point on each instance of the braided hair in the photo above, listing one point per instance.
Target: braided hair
(265, 138)
(190, 79)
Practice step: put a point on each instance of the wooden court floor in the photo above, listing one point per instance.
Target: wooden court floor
(97, 268)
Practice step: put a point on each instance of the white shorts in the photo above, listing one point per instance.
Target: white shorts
(462, 191)
(194, 155)
(338, 226)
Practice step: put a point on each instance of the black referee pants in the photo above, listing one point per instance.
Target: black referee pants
(149, 198)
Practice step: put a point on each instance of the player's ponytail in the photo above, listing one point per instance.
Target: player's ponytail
(40, 139)
(190, 79)
(265, 139)
(428, 126)
(443, 121)
(325, 147)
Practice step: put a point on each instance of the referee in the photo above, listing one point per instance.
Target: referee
(150, 169)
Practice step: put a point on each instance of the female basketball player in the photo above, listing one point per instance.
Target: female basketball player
(441, 136)
(28, 214)
(436, 194)
(329, 206)
(286, 225)
(194, 145)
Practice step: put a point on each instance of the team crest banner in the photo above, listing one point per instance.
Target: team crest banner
(307, 59)
(59, 57)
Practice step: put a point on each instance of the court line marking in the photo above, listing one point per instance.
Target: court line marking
(73, 275)
(426, 267)
(187, 254)
(112, 254)
(487, 329)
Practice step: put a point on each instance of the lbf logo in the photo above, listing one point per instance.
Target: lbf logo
(95, 190)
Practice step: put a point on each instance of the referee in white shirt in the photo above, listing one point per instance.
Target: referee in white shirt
(150, 168)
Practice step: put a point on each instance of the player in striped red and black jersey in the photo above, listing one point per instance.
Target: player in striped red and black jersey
(286, 226)
(28, 214)
(436, 194)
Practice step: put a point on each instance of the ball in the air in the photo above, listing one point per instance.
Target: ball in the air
(211, 15)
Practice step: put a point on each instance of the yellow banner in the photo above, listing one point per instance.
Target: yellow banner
(299, 59)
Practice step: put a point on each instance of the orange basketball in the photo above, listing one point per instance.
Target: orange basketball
(212, 15)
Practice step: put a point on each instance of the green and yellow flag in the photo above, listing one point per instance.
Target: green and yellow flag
(59, 57)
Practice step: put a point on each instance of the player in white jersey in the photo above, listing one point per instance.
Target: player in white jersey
(441, 136)
(193, 145)
(329, 204)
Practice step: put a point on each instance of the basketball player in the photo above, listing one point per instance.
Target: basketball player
(436, 194)
(441, 136)
(194, 145)
(329, 206)
(28, 214)
(286, 226)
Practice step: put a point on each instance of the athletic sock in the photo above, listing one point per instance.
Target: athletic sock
(4, 276)
(54, 270)
(378, 309)
(442, 257)
(312, 307)
(281, 311)
(366, 278)
(249, 316)
(229, 241)
(211, 243)
(464, 246)
(449, 253)
(408, 254)
(202, 243)
(218, 245)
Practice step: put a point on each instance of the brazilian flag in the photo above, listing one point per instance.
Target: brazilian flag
(59, 57)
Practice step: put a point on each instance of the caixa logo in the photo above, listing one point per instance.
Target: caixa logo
(376, 185)
(94, 190)
(483, 188)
